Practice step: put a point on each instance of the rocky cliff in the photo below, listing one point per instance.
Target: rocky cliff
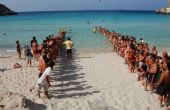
(6, 11)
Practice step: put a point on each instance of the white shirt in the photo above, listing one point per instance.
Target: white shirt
(44, 75)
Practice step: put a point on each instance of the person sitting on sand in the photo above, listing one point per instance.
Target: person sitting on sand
(164, 84)
(17, 65)
(18, 49)
(43, 81)
(69, 44)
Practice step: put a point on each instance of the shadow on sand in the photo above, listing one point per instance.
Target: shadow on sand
(70, 82)
(34, 106)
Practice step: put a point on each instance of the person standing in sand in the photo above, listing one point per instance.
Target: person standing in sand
(164, 84)
(153, 69)
(154, 51)
(69, 44)
(35, 50)
(43, 81)
(42, 64)
(33, 40)
(18, 49)
(29, 56)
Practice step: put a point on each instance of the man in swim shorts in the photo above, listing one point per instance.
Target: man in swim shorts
(69, 44)
(164, 84)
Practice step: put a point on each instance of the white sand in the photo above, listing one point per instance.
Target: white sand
(92, 81)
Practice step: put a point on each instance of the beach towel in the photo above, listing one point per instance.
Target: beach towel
(17, 65)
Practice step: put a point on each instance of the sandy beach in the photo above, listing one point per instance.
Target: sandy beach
(90, 81)
(84, 55)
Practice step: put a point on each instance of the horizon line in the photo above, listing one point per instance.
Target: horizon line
(88, 10)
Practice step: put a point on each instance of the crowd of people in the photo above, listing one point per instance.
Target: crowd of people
(46, 54)
(153, 70)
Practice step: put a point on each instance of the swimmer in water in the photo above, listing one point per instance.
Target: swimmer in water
(95, 30)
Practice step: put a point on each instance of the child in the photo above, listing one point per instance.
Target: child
(29, 57)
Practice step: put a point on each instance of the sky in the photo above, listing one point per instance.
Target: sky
(60, 5)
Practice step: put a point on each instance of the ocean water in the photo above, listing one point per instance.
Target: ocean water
(152, 27)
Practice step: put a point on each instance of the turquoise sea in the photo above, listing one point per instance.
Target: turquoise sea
(152, 27)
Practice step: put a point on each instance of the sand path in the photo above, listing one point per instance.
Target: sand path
(98, 81)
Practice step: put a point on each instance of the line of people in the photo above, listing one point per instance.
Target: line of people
(46, 54)
(153, 70)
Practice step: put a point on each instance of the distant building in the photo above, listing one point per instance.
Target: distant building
(165, 10)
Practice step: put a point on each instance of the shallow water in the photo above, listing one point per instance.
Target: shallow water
(154, 28)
